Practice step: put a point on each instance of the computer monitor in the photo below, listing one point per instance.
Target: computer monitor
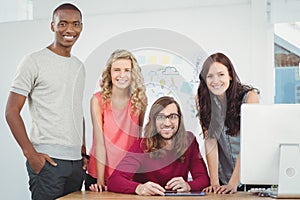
(270, 147)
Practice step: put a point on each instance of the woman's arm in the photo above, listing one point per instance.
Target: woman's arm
(235, 177)
(141, 122)
(211, 150)
(212, 157)
(100, 155)
(234, 181)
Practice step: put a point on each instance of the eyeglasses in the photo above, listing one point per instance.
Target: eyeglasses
(173, 117)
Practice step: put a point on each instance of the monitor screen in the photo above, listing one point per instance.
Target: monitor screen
(270, 146)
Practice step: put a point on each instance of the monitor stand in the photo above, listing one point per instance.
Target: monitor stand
(289, 171)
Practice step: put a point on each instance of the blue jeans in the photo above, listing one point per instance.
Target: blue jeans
(55, 181)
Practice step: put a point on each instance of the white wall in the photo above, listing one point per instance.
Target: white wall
(17, 39)
(240, 30)
(14, 10)
(284, 11)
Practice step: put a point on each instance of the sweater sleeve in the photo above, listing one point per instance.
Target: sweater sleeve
(121, 180)
(197, 168)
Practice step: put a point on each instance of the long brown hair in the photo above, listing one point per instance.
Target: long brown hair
(234, 96)
(153, 142)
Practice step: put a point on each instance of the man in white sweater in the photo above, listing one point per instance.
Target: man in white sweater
(53, 82)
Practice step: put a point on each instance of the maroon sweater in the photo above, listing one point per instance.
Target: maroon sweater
(137, 167)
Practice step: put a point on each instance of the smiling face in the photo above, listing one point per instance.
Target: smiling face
(121, 73)
(218, 79)
(167, 121)
(67, 27)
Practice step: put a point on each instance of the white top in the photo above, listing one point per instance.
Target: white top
(54, 86)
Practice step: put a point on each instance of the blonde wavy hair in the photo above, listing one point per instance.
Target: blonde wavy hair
(137, 89)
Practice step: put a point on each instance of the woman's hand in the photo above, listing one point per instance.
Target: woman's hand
(178, 184)
(211, 188)
(223, 189)
(150, 188)
(226, 189)
(98, 187)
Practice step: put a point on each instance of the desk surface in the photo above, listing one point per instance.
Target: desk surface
(110, 195)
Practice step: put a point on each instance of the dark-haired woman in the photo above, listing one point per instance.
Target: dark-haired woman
(219, 99)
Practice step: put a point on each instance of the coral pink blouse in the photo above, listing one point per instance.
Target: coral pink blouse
(120, 129)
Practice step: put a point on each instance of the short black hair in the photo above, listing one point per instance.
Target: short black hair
(66, 6)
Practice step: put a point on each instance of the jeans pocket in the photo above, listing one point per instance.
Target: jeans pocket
(31, 170)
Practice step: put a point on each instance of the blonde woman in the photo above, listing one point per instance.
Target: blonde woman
(117, 116)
